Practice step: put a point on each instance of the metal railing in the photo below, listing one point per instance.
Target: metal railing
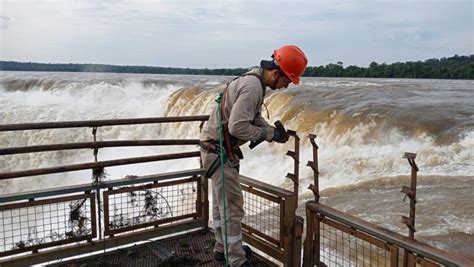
(335, 238)
(45, 225)
(65, 219)
(154, 204)
(38, 224)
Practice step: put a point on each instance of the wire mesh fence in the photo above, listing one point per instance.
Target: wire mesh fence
(335, 238)
(340, 248)
(263, 215)
(152, 204)
(26, 226)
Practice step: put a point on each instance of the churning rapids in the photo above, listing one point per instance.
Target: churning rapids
(364, 126)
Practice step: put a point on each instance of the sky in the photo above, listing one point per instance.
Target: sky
(233, 33)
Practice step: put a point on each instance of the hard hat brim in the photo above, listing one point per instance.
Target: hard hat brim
(268, 64)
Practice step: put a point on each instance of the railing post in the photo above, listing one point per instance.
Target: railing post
(315, 167)
(312, 254)
(296, 171)
(312, 241)
(291, 240)
(308, 255)
(97, 173)
(204, 185)
(410, 192)
(202, 201)
(297, 235)
(288, 227)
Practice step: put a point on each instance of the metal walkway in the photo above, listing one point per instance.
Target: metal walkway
(191, 249)
(62, 222)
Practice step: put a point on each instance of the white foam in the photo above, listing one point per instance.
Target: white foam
(340, 83)
(345, 158)
(78, 101)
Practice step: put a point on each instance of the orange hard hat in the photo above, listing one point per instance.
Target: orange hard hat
(292, 61)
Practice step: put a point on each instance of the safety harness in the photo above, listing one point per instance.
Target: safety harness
(230, 143)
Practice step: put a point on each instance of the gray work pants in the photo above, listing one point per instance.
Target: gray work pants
(235, 210)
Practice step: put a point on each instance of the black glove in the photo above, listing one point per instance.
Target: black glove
(279, 134)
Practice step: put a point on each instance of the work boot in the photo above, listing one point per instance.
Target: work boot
(219, 256)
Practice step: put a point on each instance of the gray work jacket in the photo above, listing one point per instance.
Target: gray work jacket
(243, 107)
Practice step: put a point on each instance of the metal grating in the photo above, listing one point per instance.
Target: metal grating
(340, 248)
(262, 215)
(26, 226)
(149, 204)
(191, 249)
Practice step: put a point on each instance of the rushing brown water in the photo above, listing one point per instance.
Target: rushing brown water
(444, 209)
(364, 127)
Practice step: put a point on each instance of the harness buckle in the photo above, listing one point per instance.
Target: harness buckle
(234, 163)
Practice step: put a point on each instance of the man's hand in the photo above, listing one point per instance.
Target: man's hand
(279, 134)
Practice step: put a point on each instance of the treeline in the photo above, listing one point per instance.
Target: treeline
(456, 67)
(71, 67)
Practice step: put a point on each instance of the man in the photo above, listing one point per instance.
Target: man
(242, 122)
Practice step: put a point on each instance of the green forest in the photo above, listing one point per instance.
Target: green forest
(456, 67)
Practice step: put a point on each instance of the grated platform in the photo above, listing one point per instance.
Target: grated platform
(191, 249)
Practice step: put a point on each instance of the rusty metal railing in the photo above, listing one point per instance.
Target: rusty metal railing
(95, 145)
(58, 223)
(335, 238)
(66, 221)
(36, 224)
(98, 123)
(153, 204)
(270, 223)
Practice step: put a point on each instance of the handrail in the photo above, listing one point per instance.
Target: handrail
(98, 123)
(98, 189)
(389, 236)
(106, 184)
(281, 202)
(96, 145)
(268, 188)
(97, 165)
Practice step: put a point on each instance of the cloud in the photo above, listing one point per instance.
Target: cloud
(4, 22)
(233, 33)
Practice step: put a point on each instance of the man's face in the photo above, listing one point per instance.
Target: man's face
(282, 81)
